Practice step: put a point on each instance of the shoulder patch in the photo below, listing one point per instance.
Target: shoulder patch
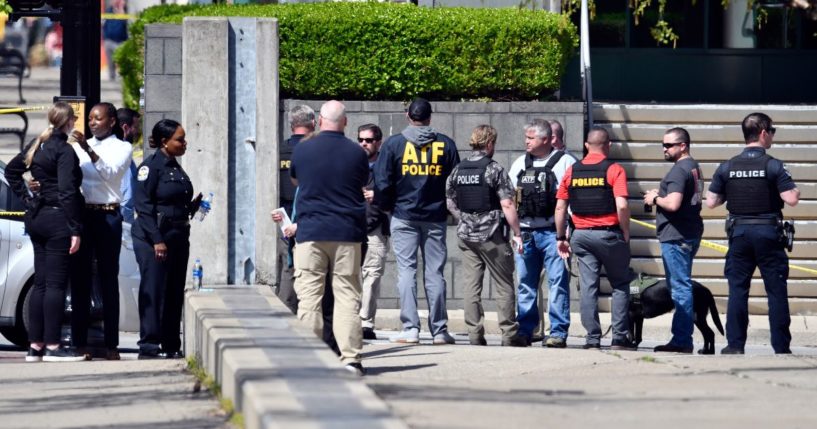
(142, 175)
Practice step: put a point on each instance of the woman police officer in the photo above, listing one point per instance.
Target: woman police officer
(161, 231)
(53, 221)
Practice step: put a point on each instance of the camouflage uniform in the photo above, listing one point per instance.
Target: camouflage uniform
(483, 244)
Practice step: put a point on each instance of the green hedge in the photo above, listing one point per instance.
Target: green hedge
(374, 51)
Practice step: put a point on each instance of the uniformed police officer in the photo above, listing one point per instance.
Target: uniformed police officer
(596, 190)
(161, 233)
(479, 194)
(754, 186)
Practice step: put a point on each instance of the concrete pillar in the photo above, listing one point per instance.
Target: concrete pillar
(205, 113)
(229, 110)
(738, 26)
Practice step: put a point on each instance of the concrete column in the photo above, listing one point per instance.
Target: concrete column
(205, 114)
(738, 26)
(266, 149)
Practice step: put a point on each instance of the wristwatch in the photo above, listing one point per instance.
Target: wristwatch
(561, 238)
(654, 200)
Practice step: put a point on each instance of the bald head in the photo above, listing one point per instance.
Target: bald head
(333, 116)
(598, 141)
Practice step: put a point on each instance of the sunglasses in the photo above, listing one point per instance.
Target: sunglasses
(771, 130)
(366, 140)
(670, 145)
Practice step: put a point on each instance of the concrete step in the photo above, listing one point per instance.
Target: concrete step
(700, 113)
(701, 133)
(711, 152)
(275, 371)
(714, 228)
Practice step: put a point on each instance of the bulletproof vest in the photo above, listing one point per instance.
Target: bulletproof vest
(536, 188)
(749, 190)
(590, 193)
(287, 190)
(474, 194)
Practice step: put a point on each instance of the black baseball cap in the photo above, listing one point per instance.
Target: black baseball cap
(419, 110)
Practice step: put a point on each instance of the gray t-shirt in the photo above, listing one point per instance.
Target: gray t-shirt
(686, 223)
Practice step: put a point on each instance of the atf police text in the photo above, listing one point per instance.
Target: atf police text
(418, 162)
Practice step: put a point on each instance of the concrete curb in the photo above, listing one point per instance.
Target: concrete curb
(275, 371)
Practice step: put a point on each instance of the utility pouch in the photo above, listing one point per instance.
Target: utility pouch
(787, 235)
(730, 226)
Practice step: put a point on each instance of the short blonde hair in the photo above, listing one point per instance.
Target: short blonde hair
(482, 136)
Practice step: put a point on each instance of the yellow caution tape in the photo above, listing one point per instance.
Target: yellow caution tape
(720, 247)
(23, 109)
(12, 213)
(117, 16)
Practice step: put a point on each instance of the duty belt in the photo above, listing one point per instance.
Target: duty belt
(104, 207)
(755, 221)
(603, 228)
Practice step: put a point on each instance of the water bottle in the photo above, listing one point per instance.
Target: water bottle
(198, 272)
(204, 207)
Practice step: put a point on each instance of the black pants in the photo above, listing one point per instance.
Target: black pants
(101, 242)
(51, 240)
(161, 290)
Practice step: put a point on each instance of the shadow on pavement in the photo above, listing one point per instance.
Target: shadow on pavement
(375, 370)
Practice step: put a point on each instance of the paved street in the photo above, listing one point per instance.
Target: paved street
(126, 394)
(494, 387)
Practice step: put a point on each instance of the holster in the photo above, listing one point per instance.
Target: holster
(729, 226)
(787, 235)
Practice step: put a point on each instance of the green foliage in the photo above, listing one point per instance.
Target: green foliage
(5, 7)
(373, 51)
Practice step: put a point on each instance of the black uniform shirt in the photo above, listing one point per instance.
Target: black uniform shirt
(56, 167)
(163, 190)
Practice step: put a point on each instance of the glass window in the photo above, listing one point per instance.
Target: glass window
(685, 18)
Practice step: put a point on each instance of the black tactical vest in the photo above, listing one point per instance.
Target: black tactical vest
(474, 194)
(287, 190)
(749, 190)
(536, 188)
(589, 192)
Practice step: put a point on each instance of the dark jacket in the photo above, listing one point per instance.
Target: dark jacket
(411, 172)
(162, 198)
(56, 167)
(375, 216)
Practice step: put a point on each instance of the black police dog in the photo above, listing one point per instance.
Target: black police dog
(656, 300)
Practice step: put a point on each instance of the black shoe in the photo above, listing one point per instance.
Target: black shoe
(34, 355)
(84, 352)
(515, 341)
(783, 352)
(174, 355)
(537, 338)
(356, 368)
(143, 355)
(61, 354)
(112, 354)
(592, 346)
(368, 334)
(672, 348)
(623, 345)
(731, 351)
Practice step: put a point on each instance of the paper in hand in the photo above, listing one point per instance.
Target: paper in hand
(285, 222)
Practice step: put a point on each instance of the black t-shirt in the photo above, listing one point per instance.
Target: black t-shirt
(331, 171)
(685, 223)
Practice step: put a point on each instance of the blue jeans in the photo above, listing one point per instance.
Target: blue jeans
(407, 237)
(678, 256)
(540, 251)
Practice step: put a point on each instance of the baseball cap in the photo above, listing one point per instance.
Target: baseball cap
(419, 109)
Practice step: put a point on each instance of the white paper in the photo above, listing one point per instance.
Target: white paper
(285, 222)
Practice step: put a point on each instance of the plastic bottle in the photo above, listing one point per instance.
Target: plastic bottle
(204, 207)
(198, 273)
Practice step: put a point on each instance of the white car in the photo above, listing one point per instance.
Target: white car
(17, 271)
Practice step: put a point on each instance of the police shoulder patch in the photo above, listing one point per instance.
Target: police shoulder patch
(143, 173)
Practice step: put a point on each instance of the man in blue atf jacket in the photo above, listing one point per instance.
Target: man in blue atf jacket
(410, 177)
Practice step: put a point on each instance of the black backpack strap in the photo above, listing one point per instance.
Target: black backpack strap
(554, 159)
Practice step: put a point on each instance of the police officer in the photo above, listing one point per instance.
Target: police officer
(161, 232)
(479, 193)
(301, 123)
(754, 186)
(536, 176)
(596, 190)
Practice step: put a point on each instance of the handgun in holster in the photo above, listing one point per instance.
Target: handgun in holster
(787, 234)
(730, 226)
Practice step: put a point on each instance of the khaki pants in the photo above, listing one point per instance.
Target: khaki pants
(497, 256)
(373, 266)
(314, 260)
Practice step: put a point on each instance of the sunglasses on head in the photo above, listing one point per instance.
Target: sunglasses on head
(670, 145)
(366, 140)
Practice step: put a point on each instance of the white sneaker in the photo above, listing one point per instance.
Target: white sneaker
(62, 355)
(408, 336)
(356, 368)
(443, 338)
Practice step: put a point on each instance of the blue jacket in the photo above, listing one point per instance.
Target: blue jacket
(411, 172)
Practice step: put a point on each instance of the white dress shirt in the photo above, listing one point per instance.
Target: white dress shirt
(102, 180)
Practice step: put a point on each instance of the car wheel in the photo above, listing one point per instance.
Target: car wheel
(18, 334)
